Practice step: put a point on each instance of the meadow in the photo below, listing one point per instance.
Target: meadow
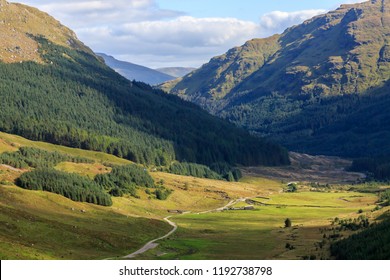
(261, 233)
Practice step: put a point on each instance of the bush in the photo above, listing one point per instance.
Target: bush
(162, 194)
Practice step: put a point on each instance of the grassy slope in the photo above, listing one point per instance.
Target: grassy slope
(42, 225)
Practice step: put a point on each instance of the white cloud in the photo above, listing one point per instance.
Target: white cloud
(185, 40)
(141, 32)
(354, 1)
(88, 13)
(277, 21)
(191, 32)
(189, 39)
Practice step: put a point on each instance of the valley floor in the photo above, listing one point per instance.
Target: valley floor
(41, 225)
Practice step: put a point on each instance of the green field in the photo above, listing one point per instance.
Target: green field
(260, 233)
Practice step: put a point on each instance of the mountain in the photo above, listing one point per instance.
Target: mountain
(136, 72)
(55, 89)
(176, 72)
(320, 87)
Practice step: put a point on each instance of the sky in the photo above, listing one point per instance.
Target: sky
(172, 33)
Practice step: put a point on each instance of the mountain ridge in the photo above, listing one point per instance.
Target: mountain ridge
(176, 72)
(136, 72)
(324, 64)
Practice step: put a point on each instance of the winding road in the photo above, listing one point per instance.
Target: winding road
(152, 244)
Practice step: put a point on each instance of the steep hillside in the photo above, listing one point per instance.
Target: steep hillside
(66, 95)
(212, 82)
(17, 24)
(319, 87)
(136, 72)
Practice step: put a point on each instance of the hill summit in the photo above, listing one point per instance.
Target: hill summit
(18, 23)
(281, 86)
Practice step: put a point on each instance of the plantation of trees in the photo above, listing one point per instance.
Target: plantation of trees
(217, 171)
(72, 186)
(36, 158)
(125, 180)
(121, 180)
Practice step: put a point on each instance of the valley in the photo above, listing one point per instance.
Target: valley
(42, 225)
(275, 150)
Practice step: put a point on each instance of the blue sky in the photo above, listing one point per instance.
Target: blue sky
(245, 9)
(163, 33)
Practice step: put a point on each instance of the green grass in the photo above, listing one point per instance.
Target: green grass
(260, 234)
(317, 199)
(83, 169)
(41, 225)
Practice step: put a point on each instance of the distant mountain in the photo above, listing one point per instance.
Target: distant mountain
(55, 89)
(320, 87)
(176, 72)
(136, 72)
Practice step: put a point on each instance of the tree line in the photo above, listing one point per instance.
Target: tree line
(377, 168)
(37, 158)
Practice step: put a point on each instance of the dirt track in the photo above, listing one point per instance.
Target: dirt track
(152, 244)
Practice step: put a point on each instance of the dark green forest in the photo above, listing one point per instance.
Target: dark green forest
(125, 180)
(72, 186)
(36, 158)
(217, 171)
(75, 100)
(377, 168)
(370, 244)
(350, 125)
